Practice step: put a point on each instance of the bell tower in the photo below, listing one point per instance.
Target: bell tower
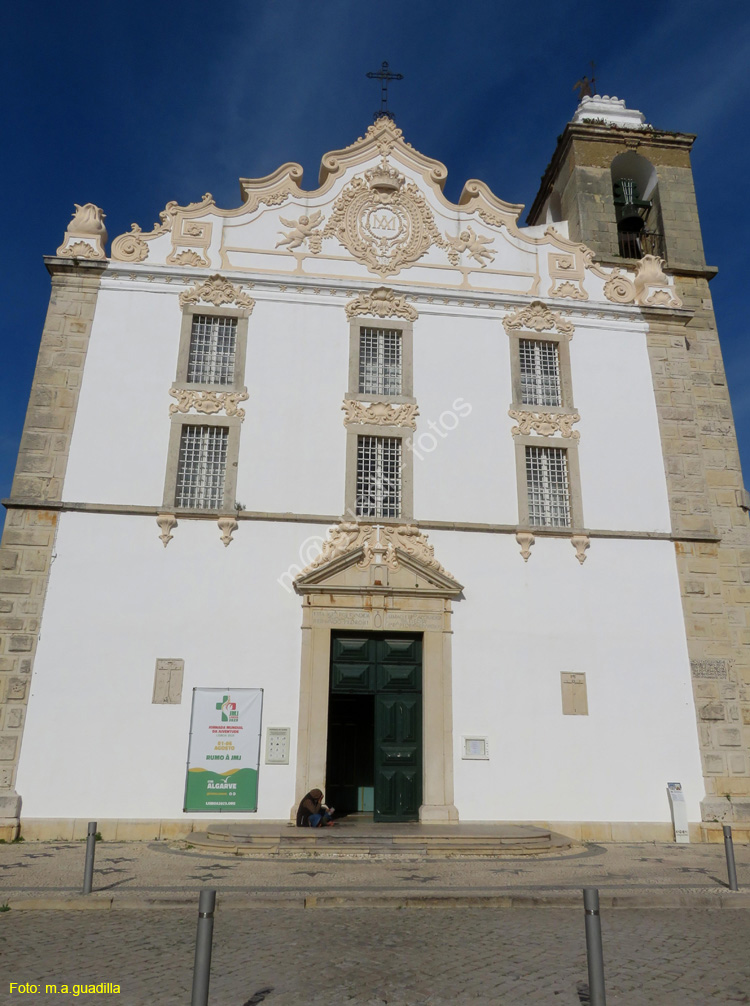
(626, 190)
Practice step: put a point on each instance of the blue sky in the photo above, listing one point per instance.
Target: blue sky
(132, 105)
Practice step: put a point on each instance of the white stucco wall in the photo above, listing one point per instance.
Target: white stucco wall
(617, 619)
(292, 443)
(96, 747)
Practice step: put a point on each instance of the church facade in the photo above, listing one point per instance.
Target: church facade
(445, 512)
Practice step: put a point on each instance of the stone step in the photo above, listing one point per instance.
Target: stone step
(364, 841)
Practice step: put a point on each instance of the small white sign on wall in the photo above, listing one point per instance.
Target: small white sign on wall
(277, 745)
(679, 811)
(475, 748)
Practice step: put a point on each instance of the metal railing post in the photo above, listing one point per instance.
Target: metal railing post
(729, 849)
(88, 869)
(203, 941)
(597, 996)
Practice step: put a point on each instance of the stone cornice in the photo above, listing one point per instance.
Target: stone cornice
(137, 510)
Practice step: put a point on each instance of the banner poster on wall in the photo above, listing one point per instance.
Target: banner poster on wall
(224, 750)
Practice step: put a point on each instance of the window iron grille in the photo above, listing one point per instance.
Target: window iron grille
(548, 486)
(201, 467)
(213, 345)
(378, 477)
(380, 364)
(540, 372)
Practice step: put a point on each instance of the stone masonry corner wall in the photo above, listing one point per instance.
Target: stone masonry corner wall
(704, 481)
(27, 546)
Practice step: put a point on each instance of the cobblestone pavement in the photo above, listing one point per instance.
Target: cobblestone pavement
(131, 870)
(370, 957)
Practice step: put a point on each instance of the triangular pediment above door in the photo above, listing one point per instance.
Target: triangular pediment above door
(365, 558)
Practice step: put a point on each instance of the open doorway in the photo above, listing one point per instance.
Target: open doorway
(350, 769)
(374, 751)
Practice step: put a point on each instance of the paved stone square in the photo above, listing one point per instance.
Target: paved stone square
(376, 956)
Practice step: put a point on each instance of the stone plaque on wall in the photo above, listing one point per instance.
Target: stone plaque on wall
(168, 681)
(717, 670)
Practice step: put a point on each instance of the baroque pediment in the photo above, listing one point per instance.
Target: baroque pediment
(380, 213)
(367, 558)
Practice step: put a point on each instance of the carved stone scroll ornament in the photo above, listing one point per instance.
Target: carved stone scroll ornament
(227, 526)
(130, 247)
(208, 402)
(383, 303)
(544, 423)
(383, 221)
(381, 544)
(86, 234)
(619, 289)
(525, 539)
(217, 291)
(539, 318)
(652, 286)
(167, 523)
(380, 414)
(580, 543)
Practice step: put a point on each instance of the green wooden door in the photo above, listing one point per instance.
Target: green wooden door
(388, 666)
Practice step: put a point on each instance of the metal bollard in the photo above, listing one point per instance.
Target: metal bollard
(597, 996)
(88, 869)
(729, 849)
(203, 940)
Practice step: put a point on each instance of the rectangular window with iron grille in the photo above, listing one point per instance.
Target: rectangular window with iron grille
(548, 486)
(540, 372)
(380, 361)
(201, 467)
(378, 477)
(213, 348)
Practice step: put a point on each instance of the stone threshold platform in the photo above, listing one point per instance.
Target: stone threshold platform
(358, 836)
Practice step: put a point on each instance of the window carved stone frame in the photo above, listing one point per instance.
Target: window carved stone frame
(406, 329)
(233, 424)
(566, 381)
(355, 430)
(186, 330)
(574, 481)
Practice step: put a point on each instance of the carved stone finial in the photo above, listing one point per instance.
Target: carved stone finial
(525, 539)
(167, 522)
(86, 234)
(652, 287)
(580, 543)
(227, 526)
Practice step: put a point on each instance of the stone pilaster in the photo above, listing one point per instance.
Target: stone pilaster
(28, 539)
(704, 481)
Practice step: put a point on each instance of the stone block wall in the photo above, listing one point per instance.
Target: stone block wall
(705, 484)
(27, 547)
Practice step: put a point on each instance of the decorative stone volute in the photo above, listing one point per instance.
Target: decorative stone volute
(86, 234)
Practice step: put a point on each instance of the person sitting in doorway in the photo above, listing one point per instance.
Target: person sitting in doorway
(311, 813)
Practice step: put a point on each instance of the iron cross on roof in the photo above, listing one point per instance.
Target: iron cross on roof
(384, 75)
